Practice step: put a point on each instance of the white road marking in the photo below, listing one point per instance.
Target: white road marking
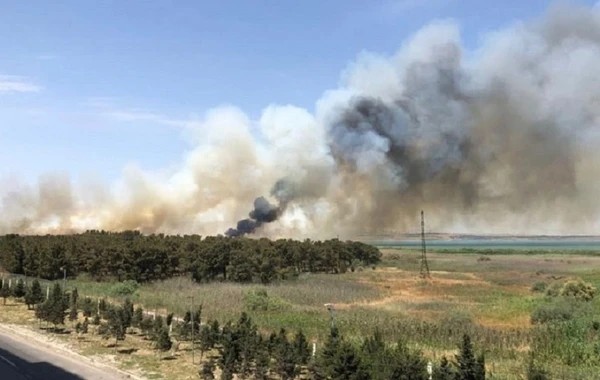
(8, 361)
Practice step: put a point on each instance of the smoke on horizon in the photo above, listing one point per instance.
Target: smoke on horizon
(500, 140)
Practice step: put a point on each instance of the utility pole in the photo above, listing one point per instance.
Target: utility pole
(193, 329)
(424, 265)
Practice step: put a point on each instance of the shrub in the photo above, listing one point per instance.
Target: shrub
(554, 312)
(259, 300)
(125, 288)
(539, 287)
(578, 289)
(554, 289)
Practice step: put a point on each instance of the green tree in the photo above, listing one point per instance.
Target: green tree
(85, 325)
(206, 339)
(301, 348)
(286, 359)
(56, 306)
(19, 289)
(445, 371)
(469, 368)
(4, 290)
(347, 365)
(33, 294)
(87, 307)
(138, 315)
(207, 371)
(116, 324)
(127, 311)
(163, 340)
(263, 361)
(74, 297)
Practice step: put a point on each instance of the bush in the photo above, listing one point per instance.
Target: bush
(578, 289)
(259, 300)
(555, 312)
(125, 288)
(539, 287)
(554, 289)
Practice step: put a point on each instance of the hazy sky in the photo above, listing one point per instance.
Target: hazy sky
(87, 87)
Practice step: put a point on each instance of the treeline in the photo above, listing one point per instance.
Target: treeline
(130, 255)
(240, 350)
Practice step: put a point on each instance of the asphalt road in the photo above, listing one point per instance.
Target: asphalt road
(26, 360)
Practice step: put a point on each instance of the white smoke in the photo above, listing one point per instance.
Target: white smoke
(499, 140)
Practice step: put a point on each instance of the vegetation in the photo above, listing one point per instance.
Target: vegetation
(138, 258)
(383, 316)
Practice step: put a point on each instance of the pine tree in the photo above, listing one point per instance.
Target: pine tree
(87, 307)
(74, 297)
(146, 326)
(230, 352)
(206, 339)
(196, 319)
(480, 367)
(169, 319)
(346, 365)
(116, 327)
(137, 317)
(468, 367)
(33, 294)
(56, 306)
(73, 312)
(444, 372)
(102, 305)
(330, 350)
(263, 361)
(157, 327)
(85, 325)
(163, 340)
(19, 289)
(301, 348)
(207, 372)
(186, 327)
(215, 332)
(286, 358)
(4, 290)
(96, 320)
(127, 311)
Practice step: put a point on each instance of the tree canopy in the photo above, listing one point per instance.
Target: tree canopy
(130, 255)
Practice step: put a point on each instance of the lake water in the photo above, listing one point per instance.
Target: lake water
(524, 244)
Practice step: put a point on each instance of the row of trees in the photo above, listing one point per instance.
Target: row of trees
(131, 255)
(240, 350)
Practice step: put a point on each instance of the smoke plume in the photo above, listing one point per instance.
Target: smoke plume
(498, 140)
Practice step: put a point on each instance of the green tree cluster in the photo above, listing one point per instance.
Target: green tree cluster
(131, 256)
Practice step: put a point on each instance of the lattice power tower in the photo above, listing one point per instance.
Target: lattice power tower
(424, 265)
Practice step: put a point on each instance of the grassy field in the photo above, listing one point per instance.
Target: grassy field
(486, 295)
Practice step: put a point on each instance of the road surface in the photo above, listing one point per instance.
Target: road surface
(22, 358)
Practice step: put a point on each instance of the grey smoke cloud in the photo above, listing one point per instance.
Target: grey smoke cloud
(500, 140)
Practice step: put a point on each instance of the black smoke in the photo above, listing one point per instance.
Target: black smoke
(264, 211)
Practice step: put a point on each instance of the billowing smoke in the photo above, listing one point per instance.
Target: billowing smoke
(502, 139)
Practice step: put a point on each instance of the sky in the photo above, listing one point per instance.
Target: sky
(88, 87)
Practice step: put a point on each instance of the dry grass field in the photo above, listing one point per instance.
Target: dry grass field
(488, 296)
